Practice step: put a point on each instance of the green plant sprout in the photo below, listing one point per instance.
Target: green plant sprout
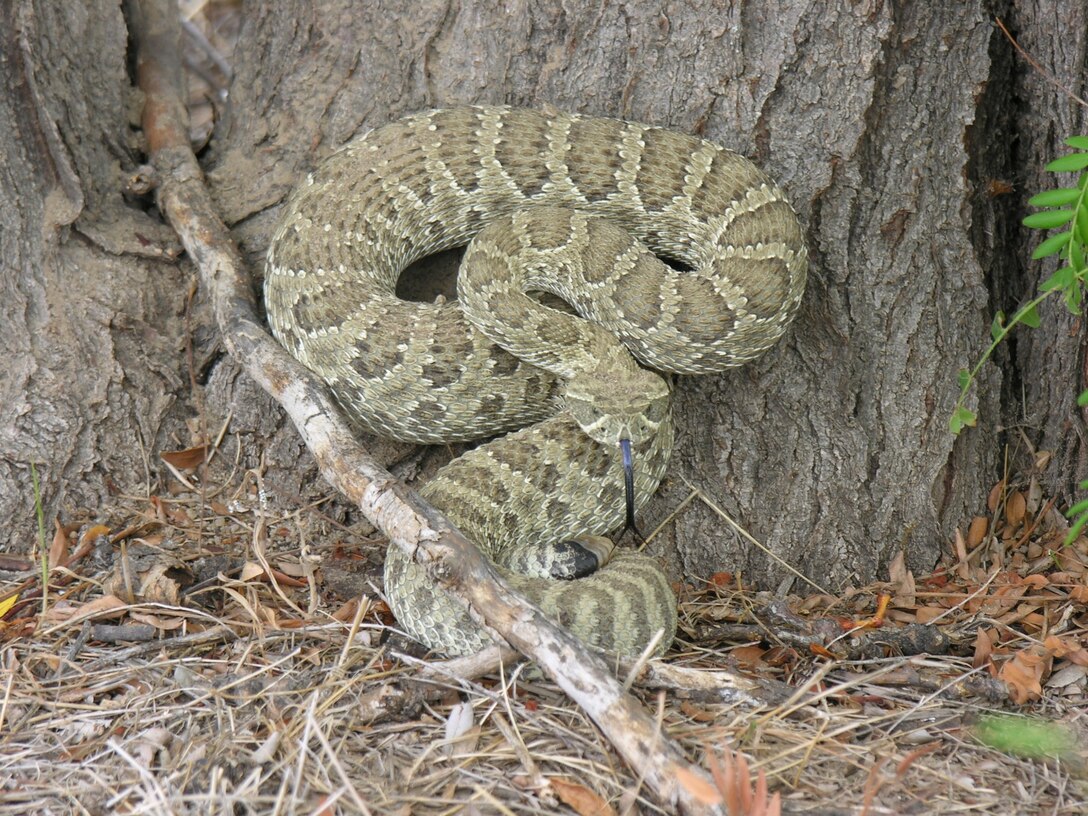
(1030, 737)
(1062, 207)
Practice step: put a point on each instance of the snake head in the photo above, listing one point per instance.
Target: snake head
(614, 406)
(621, 409)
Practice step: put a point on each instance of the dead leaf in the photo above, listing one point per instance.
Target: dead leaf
(185, 459)
(1005, 595)
(749, 657)
(250, 571)
(1024, 673)
(734, 781)
(579, 798)
(15, 563)
(962, 570)
(148, 573)
(176, 515)
(1061, 578)
(348, 609)
(157, 506)
(928, 614)
(164, 623)
(1068, 648)
(1016, 507)
(459, 721)
(287, 580)
(88, 537)
(255, 571)
(698, 786)
(902, 580)
(994, 499)
(295, 569)
(147, 744)
(1026, 615)
(694, 712)
(108, 606)
(984, 649)
(977, 531)
(381, 612)
(1069, 560)
(1069, 674)
(58, 550)
(778, 656)
(7, 603)
(326, 805)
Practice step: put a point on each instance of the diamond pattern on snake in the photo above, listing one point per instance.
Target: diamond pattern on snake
(585, 209)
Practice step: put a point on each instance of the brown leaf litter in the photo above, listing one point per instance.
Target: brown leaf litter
(191, 649)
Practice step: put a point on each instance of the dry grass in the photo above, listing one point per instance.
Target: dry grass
(257, 690)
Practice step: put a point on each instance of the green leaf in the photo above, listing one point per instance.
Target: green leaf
(1074, 530)
(1073, 297)
(1082, 399)
(1029, 316)
(997, 328)
(1051, 245)
(1081, 228)
(964, 379)
(1068, 164)
(1061, 279)
(1048, 219)
(961, 418)
(1077, 509)
(1076, 254)
(1079, 142)
(1055, 198)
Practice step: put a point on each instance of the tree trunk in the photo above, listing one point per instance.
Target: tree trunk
(834, 449)
(91, 324)
(884, 124)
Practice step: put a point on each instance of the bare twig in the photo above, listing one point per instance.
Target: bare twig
(720, 685)
(1034, 63)
(709, 502)
(450, 559)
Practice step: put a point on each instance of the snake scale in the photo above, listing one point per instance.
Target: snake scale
(581, 208)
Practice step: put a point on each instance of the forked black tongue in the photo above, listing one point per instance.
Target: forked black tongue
(629, 490)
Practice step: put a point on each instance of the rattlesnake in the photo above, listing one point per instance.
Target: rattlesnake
(560, 203)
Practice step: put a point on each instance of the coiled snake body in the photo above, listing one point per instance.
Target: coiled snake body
(575, 206)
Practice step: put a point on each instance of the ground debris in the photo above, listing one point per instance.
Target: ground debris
(238, 672)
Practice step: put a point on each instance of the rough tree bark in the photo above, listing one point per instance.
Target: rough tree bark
(883, 123)
(91, 318)
(1049, 362)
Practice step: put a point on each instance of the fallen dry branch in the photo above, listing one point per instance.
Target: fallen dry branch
(714, 685)
(450, 559)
